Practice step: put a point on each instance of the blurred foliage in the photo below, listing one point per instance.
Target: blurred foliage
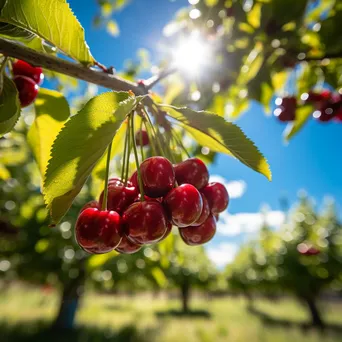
(107, 11)
(257, 50)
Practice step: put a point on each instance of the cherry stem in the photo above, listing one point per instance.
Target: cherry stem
(154, 133)
(150, 136)
(124, 155)
(141, 142)
(141, 188)
(128, 150)
(179, 142)
(2, 69)
(105, 191)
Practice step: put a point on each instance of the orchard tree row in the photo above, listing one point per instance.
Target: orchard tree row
(303, 258)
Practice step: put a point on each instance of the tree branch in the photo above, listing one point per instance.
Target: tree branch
(11, 49)
(151, 82)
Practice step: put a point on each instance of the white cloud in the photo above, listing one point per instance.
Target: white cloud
(235, 224)
(236, 188)
(222, 254)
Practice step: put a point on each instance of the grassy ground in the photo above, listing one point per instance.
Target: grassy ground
(26, 314)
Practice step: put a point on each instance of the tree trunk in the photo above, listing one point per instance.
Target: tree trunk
(72, 292)
(316, 318)
(185, 293)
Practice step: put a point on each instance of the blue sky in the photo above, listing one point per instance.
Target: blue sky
(312, 161)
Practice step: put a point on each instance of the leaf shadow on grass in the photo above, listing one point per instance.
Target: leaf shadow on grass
(305, 326)
(38, 331)
(184, 314)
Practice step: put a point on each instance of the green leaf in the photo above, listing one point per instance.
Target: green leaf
(96, 261)
(9, 106)
(52, 111)
(211, 3)
(302, 116)
(266, 96)
(252, 65)
(80, 145)
(159, 276)
(254, 15)
(217, 134)
(51, 20)
(113, 28)
(12, 32)
(4, 173)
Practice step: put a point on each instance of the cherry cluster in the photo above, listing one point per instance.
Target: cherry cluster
(27, 79)
(143, 209)
(328, 106)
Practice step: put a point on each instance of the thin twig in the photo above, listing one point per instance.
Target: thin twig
(151, 82)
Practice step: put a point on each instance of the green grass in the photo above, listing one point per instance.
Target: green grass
(25, 315)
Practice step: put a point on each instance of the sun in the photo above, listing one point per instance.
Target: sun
(192, 54)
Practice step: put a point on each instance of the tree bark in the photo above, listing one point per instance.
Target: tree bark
(71, 295)
(185, 294)
(316, 319)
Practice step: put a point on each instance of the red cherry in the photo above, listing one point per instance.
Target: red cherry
(184, 205)
(158, 176)
(120, 196)
(286, 110)
(338, 116)
(27, 88)
(217, 196)
(138, 198)
(21, 68)
(194, 236)
(192, 171)
(313, 251)
(141, 137)
(127, 247)
(205, 212)
(145, 222)
(91, 204)
(316, 97)
(134, 180)
(98, 231)
(168, 231)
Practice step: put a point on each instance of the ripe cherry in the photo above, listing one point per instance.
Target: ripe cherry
(168, 231)
(205, 212)
(134, 180)
(286, 110)
(120, 196)
(192, 171)
(184, 205)
(91, 204)
(313, 251)
(98, 231)
(21, 68)
(27, 88)
(127, 247)
(145, 222)
(141, 138)
(158, 176)
(217, 196)
(197, 235)
(318, 97)
(338, 116)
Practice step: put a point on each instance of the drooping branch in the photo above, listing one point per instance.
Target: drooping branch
(12, 49)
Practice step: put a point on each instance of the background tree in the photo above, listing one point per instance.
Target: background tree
(304, 258)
